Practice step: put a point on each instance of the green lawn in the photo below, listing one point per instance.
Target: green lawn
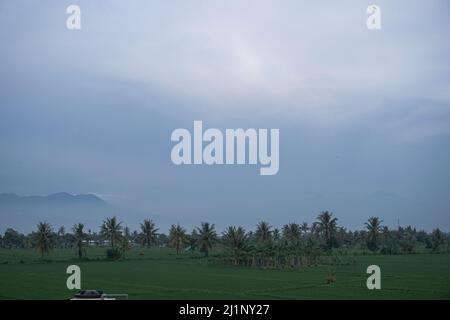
(160, 274)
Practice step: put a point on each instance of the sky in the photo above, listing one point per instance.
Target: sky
(364, 115)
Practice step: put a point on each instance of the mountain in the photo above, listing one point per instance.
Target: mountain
(24, 212)
(62, 198)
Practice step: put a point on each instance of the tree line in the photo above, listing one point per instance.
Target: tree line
(291, 245)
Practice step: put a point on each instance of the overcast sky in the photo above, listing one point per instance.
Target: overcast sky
(364, 116)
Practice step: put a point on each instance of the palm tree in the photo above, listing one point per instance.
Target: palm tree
(206, 237)
(149, 233)
(292, 233)
(127, 233)
(385, 235)
(326, 227)
(263, 238)
(61, 231)
(276, 235)
(79, 237)
(192, 240)
(112, 230)
(304, 228)
(61, 237)
(292, 242)
(263, 234)
(437, 239)
(237, 241)
(177, 237)
(43, 238)
(373, 226)
(125, 245)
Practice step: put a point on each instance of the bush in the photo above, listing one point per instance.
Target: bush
(331, 278)
(113, 254)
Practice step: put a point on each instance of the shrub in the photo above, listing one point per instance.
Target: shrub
(331, 278)
(113, 254)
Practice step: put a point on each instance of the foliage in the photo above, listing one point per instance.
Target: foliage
(125, 246)
(293, 245)
(79, 237)
(111, 230)
(149, 233)
(373, 226)
(326, 227)
(43, 238)
(113, 254)
(177, 237)
(206, 237)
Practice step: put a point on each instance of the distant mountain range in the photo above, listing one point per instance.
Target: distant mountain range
(61, 198)
(24, 212)
(64, 209)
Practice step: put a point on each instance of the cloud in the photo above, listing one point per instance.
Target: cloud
(312, 62)
(92, 110)
(309, 62)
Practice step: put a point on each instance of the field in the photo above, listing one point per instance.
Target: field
(161, 274)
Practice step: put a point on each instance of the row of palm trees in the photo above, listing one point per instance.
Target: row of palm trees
(293, 245)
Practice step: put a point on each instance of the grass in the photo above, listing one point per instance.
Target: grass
(161, 274)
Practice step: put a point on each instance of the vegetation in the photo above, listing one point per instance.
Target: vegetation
(373, 226)
(437, 240)
(79, 238)
(326, 228)
(159, 273)
(111, 230)
(206, 237)
(177, 237)
(297, 261)
(293, 245)
(236, 241)
(149, 233)
(125, 246)
(43, 238)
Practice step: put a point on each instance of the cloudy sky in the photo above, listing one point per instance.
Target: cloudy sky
(364, 116)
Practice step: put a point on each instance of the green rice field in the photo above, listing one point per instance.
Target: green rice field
(161, 274)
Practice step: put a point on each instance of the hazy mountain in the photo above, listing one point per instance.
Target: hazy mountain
(24, 212)
(8, 199)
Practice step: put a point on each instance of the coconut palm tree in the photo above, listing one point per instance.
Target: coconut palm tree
(292, 233)
(373, 226)
(112, 230)
(326, 227)
(43, 238)
(263, 233)
(304, 228)
(237, 241)
(276, 234)
(79, 237)
(127, 233)
(149, 233)
(263, 237)
(177, 237)
(206, 237)
(437, 239)
(61, 237)
(192, 240)
(125, 246)
(385, 235)
(292, 236)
